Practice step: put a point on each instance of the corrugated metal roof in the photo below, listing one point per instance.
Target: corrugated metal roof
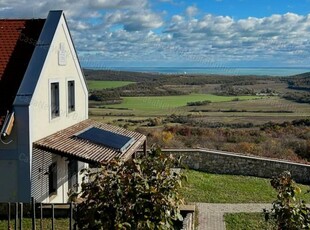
(67, 144)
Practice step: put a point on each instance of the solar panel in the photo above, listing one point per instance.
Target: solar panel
(106, 138)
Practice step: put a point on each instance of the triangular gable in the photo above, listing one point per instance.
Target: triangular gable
(54, 22)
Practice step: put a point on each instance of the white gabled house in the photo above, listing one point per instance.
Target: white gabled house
(46, 136)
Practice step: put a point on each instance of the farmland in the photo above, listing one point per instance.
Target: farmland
(244, 114)
(98, 85)
(161, 104)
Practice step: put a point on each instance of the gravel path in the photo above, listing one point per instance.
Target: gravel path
(211, 216)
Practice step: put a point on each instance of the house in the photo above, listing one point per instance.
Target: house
(45, 134)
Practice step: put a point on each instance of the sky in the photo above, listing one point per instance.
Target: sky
(193, 33)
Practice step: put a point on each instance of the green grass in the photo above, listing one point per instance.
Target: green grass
(247, 221)
(59, 224)
(97, 85)
(157, 103)
(214, 188)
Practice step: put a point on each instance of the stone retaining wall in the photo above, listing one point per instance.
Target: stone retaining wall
(188, 222)
(227, 163)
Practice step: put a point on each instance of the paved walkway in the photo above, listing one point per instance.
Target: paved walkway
(211, 216)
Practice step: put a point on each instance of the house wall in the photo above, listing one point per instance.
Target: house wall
(39, 176)
(40, 179)
(42, 124)
(32, 110)
(40, 106)
(15, 161)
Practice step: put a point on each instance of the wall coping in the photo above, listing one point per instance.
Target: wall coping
(224, 153)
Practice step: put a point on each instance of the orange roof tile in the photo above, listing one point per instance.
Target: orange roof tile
(17, 42)
(65, 143)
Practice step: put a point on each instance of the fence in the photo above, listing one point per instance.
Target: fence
(14, 214)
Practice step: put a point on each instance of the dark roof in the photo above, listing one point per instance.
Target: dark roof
(66, 143)
(17, 42)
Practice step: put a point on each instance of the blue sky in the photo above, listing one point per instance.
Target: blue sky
(195, 33)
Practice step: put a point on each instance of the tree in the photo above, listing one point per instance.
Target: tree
(288, 211)
(135, 194)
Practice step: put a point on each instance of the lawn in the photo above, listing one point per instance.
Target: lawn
(59, 224)
(247, 221)
(214, 188)
(172, 102)
(98, 85)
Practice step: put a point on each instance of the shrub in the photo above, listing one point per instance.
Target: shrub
(137, 194)
(199, 103)
(288, 212)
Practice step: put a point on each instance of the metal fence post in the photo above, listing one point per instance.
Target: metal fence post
(41, 217)
(71, 215)
(21, 217)
(33, 202)
(16, 216)
(9, 215)
(53, 214)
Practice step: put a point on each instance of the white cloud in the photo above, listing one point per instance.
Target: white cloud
(191, 11)
(134, 21)
(126, 30)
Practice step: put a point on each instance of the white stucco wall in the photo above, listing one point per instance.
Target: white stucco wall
(42, 123)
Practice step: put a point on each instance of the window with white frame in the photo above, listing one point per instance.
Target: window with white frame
(55, 100)
(71, 96)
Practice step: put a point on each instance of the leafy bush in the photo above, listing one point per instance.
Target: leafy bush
(137, 194)
(288, 212)
(198, 103)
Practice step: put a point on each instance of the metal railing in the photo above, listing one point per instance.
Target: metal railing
(38, 212)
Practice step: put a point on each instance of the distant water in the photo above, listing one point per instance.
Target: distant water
(285, 71)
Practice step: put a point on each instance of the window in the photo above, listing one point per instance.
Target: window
(73, 175)
(52, 178)
(71, 96)
(55, 99)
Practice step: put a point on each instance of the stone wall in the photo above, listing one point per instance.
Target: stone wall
(188, 213)
(188, 222)
(227, 163)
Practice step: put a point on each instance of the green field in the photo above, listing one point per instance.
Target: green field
(97, 85)
(214, 188)
(157, 103)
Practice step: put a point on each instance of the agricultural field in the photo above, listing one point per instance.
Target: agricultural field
(98, 85)
(234, 119)
(248, 109)
(163, 104)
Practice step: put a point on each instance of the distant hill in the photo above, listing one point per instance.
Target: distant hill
(113, 75)
(299, 82)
